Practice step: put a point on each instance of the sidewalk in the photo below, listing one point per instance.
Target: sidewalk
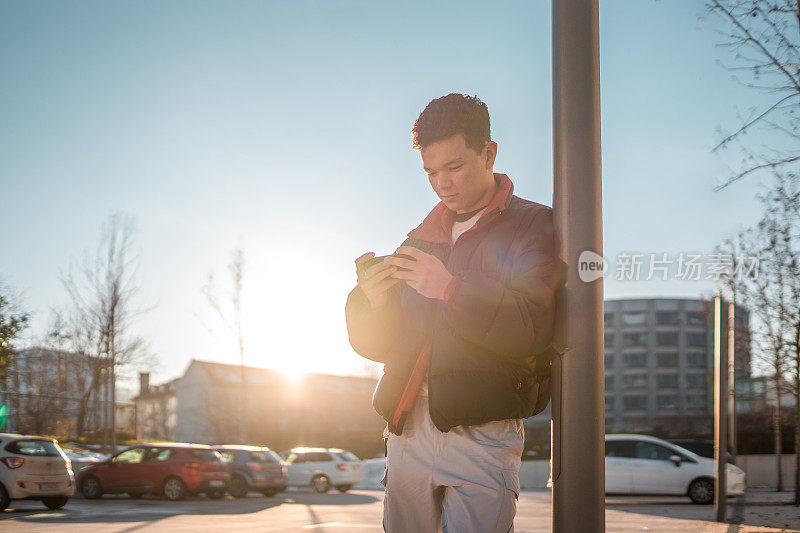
(757, 511)
(757, 496)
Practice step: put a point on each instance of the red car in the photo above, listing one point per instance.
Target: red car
(171, 469)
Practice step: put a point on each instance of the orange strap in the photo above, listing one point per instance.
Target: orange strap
(414, 382)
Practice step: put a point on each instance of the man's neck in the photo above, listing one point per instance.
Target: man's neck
(463, 217)
(485, 199)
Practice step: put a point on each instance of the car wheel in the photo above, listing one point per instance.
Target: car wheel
(702, 491)
(239, 488)
(55, 502)
(135, 495)
(269, 493)
(343, 488)
(320, 483)
(215, 494)
(174, 489)
(4, 499)
(91, 488)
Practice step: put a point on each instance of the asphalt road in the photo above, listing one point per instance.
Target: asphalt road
(356, 511)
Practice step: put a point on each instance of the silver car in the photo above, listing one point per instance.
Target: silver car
(34, 468)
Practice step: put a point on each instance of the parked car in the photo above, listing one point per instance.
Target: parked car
(80, 457)
(168, 468)
(34, 468)
(253, 468)
(323, 468)
(640, 464)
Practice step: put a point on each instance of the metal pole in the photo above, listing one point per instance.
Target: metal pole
(720, 408)
(578, 460)
(113, 383)
(106, 394)
(732, 377)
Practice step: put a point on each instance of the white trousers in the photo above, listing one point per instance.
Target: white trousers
(463, 481)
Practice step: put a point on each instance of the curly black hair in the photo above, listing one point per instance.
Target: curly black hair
(449, 115)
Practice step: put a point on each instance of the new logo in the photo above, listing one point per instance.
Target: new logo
(591, 266)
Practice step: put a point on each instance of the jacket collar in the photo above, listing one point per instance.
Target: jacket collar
(438, 225)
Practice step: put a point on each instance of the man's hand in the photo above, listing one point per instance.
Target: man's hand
(376, 280)
(427, 275)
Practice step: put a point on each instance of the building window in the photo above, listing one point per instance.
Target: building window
(696, 401)
(696, 318)
(667, 359)
(667, 338)
(696, 360)
(634, 339)
(667, 401)
(634, 403)
(609, 403)
(609, 382)
(667, 318)
(608, 319)
(609, 361)
(637, 424)
(667, 381)
(608, 339)
(696, 381)
(634, 319)
(635, 360)
(696, 338)
(635, 381)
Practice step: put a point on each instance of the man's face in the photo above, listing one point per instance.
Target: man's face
(459, 175)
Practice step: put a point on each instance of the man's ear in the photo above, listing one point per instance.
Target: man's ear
(490, 153)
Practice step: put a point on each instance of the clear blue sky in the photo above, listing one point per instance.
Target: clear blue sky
(284, 127)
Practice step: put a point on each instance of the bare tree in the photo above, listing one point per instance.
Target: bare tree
(784, 214)
(771, 294)
(231, 317)
(87, 367)
(764, 39)
(102, 289)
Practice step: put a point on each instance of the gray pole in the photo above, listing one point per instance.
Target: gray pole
(113, 382)
(720, 407)
(578, 455)
(732, 377)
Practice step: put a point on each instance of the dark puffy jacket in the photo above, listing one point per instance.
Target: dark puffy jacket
(480, 346)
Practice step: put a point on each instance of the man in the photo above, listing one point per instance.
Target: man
(458, 325)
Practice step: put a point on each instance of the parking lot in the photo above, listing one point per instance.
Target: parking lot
(360, 510)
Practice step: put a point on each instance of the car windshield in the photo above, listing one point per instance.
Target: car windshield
(44, 448)
(265, 457)
(205, 455)
(348, 456)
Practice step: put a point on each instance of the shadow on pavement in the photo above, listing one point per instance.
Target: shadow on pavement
(151, 509)
(107, 509)
(332, 498)
(739, 511)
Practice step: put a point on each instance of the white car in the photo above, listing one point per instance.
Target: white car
(80, 458)
(640, 464)
(34, 468)
(322, 468)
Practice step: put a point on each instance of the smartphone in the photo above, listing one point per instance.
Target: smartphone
(375, 260)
